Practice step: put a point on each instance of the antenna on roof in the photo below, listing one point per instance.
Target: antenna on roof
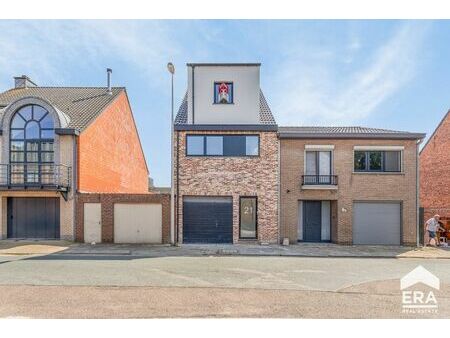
(109, 72)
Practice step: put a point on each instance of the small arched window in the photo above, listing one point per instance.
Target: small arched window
(31, 145)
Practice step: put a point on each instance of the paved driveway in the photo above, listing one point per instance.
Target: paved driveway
(86, 286)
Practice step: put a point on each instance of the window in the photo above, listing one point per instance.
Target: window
(377, 161)
(318, 167)
(222, 145)
(248, 212)
(195, 145)
(214, 145)
(31, 145)
(223, 92)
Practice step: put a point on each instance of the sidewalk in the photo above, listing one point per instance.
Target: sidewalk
(145, 250)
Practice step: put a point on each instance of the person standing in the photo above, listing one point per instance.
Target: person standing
(432, 225)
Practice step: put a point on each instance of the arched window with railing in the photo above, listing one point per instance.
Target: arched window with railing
(31, 151)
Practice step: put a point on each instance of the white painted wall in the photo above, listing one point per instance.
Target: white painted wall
(246, 83)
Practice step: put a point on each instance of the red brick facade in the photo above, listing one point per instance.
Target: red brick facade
(235, 177)
(107, 212)
(111, 159)
(435, 172)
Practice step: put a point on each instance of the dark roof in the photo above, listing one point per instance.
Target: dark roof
(434, 132)
(81, 104)
(345, 132)
(265, 114)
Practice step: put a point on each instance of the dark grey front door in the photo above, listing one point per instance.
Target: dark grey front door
(207, 220)
(312, 221)
(33, 217)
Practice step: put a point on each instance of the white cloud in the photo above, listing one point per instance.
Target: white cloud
(312, 92)
(46, 50)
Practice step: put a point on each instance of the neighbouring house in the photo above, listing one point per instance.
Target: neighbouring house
(349, 185)
(71, 165)
(226, 158)
(435, 173)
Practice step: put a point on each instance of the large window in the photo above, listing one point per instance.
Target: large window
(378, 161)
(222, 145)
(31, 146)
(318, 168)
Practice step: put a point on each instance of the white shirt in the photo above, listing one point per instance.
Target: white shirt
(432, 224)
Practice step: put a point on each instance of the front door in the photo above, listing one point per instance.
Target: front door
(312, 221)
(33, 217)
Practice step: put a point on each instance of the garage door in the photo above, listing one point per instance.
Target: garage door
(33, 217)
(137, 223)
(207, 220)
(376, 223)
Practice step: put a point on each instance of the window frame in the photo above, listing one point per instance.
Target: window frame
(39, 141)
(383, 161)
(317, 159)
(214, 92)
(205, 150)
(256, 217)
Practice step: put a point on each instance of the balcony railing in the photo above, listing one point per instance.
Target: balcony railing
(319, 180)
(35, 176)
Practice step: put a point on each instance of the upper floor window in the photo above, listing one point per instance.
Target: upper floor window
(31, 144)
(318, 167)
(222, 145)
(223, 92)
(378, 161)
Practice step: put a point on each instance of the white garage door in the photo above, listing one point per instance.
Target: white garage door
(137, 223)
(376, 223)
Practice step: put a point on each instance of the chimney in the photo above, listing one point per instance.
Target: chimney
(109, 72)
(23, 82)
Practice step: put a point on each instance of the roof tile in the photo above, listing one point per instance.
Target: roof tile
(81, 104)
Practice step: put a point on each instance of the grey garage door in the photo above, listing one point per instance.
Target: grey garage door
(207, 220)
(376, 223)
(33, 217)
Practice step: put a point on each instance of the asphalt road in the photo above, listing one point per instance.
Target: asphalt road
(82, 286)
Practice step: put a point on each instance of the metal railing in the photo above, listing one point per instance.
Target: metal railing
(34, 175)
(319, 180)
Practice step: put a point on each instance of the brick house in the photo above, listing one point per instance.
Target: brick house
(59, 144)
(348, 185)
(435, 172)
(226, 158)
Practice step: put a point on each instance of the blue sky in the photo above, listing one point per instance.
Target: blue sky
(386, 74)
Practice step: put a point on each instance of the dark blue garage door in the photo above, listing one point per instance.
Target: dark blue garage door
(30, 217)
(207, 220)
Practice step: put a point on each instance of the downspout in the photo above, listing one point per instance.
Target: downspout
(178, 190)
(279, 189)
(193, 102)
(75, 182)
(417, 194)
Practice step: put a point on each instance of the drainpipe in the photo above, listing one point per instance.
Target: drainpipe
(75, 182)
(193, 86)
(417, 193)
(279, 190)
(178, 190)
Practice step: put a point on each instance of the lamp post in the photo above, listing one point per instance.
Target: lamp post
(171, 69)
